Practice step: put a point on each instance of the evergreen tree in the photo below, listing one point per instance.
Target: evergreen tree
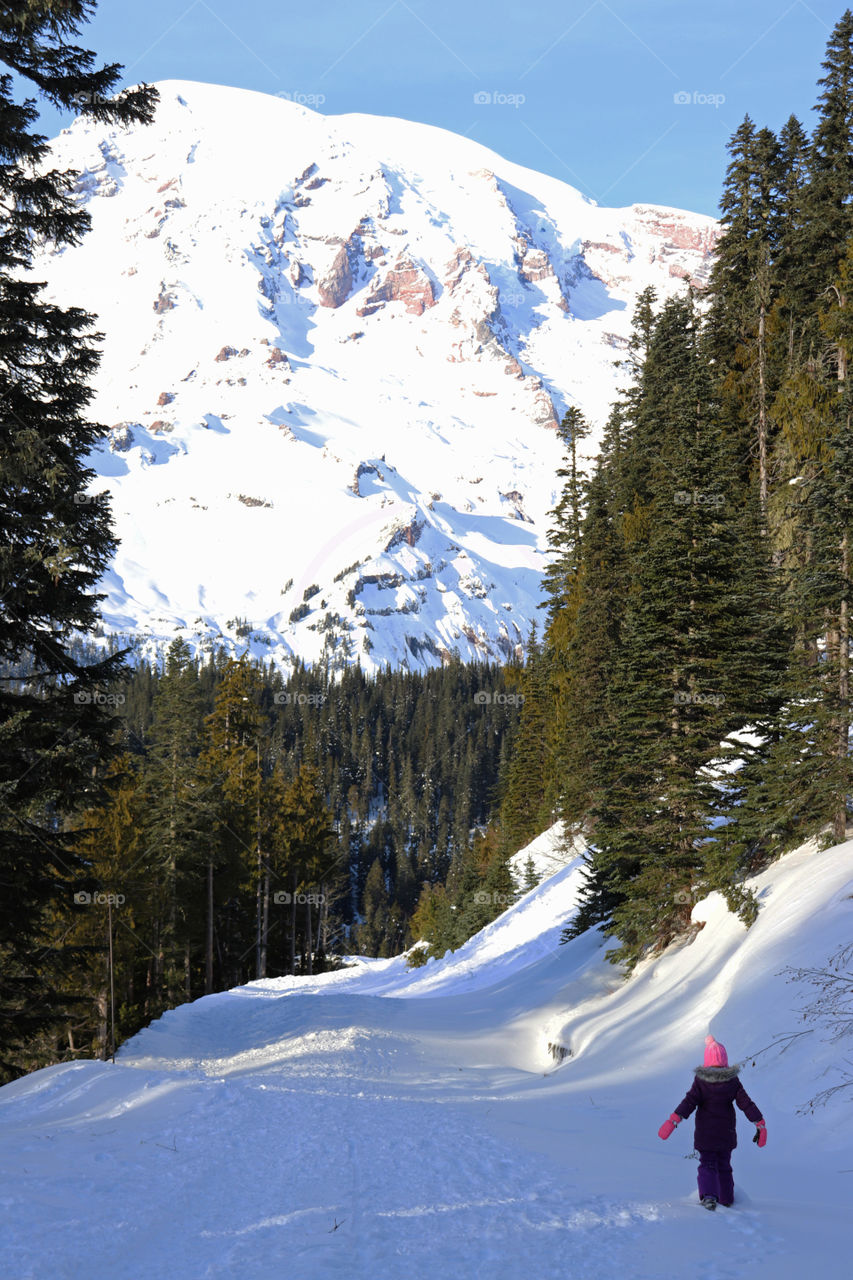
(178, 814)
(57, 538)
(307, 834)
(526, 803)
(829, 214)
(688, 672)
(373, 932)
(743, 289)
(564, 533)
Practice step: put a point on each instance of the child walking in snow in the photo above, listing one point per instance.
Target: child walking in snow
(712, 1095)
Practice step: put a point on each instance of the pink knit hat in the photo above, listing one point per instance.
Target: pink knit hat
(715, 1054)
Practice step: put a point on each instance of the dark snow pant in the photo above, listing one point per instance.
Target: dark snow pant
(715, 1175)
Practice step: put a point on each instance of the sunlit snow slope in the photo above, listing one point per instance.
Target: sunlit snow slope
(377, 1122)
(336, 349)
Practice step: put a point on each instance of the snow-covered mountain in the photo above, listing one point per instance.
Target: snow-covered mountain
(336, 350)
(381, 1122)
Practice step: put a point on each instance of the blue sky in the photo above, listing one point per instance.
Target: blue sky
(627, 100)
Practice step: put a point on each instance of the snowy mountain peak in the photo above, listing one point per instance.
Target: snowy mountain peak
(336, 352)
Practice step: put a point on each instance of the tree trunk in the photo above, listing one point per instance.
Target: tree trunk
(102, 1004)
(293, 928)
(323, 923)
(188, 980)
(208, 965)
(843, 747)
(762, 415)
(259, 945)
(265, 924)
(309, 941)
(840, 824)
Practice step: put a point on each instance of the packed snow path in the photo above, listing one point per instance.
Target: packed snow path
(350, 1150)
(376, 1124)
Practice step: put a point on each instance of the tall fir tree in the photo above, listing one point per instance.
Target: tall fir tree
(57, 537)
(689, 672)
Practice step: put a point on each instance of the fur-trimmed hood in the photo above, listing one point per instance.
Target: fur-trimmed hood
(712, 1075)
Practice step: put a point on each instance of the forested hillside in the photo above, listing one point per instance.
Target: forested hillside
(690, 707)
(252, 827)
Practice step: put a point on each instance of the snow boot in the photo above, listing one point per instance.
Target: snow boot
(710, 1202)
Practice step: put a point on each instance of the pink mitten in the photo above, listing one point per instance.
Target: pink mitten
(761, 1134)
(668, 1125)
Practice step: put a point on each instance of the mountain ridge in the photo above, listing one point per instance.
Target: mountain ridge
(336, 351)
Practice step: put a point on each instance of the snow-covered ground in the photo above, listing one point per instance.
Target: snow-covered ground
(385, 1124)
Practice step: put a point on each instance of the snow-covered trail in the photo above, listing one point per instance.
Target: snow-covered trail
(377, 1124)
(350, 1152)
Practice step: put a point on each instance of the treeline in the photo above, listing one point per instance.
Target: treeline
(254, 825)
(690, 705)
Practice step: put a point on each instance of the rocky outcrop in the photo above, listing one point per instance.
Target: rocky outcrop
(535, 265)
(336, 285)
(543, 409)
(461, 262)
(679, 233)
(364, 469)
(165, 301)
(121, 436)
(406, 283)
(277, 359)
(408, 533)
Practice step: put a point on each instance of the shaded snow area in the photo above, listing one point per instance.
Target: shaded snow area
(384, 1124)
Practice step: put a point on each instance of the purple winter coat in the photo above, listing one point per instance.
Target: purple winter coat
(712, 1095)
